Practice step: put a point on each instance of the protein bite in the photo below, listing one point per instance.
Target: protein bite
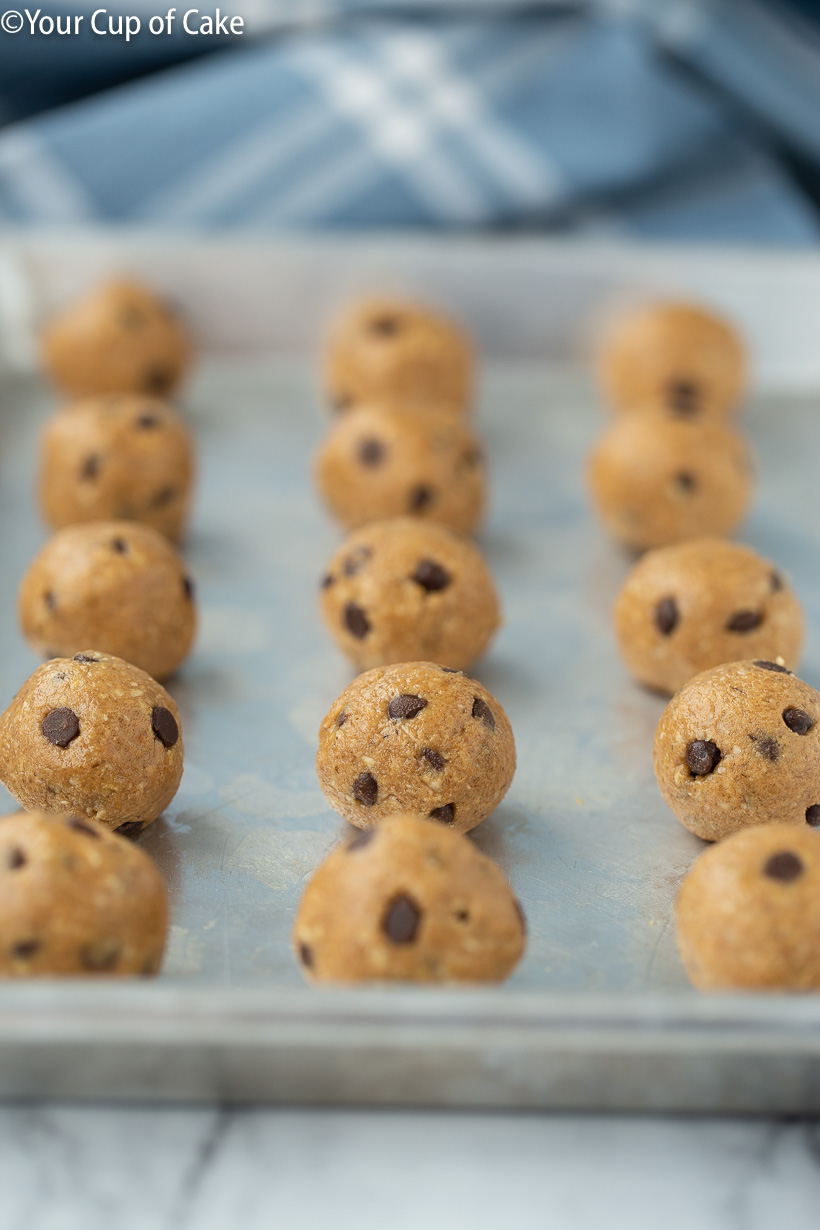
(685, 608)
(405, 590)
(117, 458)
(675, 357)
(655, 481)
(377, 463)
(398, 353)
(119, 338)
(416, 738)
(408, 901)
(739, 745)
(96, 736)
(113, 584)
(77, 899)
(748, 913)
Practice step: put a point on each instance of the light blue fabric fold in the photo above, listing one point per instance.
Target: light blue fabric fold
(661, 119)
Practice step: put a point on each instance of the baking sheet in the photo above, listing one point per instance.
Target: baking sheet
(589, 846)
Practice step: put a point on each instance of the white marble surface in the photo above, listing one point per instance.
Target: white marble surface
(201, 1169)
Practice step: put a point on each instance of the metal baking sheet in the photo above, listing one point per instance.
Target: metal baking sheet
(599, 1013)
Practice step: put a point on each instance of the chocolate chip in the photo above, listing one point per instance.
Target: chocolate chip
(813, 815)
(385, 326)
(483, 711)
(147, 421)
(90, 468)
(519, 909)
(405, 707)
(164, 496)
(434, 759)
(431, 576)
(450, 670)
(666, 616)
(461, 916)
(445, 814)
(131, 828)
(421, 497)
(341, 719)
(84, 657)
(50, 599)
(767, 746)
(371, 452)
(744, 621)
(158, 379)
(15, 858)
(164, 725)
(188, 588)
(360, 839)
(472, 458)
(798, 720)
(101, 955)
(683, 397)
(82, 826)
(119, 545)
(685, 482)
(342, 401)
(702, 756)
(326, 581)
(401, 920)
(772, 666)
(784, 866)
(776, 582)
(25, 948)
(61, 726)
(365, 789)
(306, 955)
(356, 561)
(356, 621)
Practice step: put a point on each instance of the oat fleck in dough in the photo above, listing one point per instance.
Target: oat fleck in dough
(120, 338)
(748, 913)
(376, 463)
(77, 899)
(656, 481)
(117, 458)
(93, 735)
(685, 608)
(417, 738)
(398, 353)
(408, 901)
(405, 590)
(113, 584)
(674, 357)
(739, 745)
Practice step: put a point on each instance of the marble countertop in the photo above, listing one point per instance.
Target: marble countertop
(131, 1168)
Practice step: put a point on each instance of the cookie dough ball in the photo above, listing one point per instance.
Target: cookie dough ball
(739, 745)
(408, 901)
(416, 738)
(399, 353)
(113, 584)
(120, 338)
(405, 590)
(117, 458)
(677, 357)
(655, 481)
(377, 463)
(76, 899)
(685, 608)
(93, 735)
(748, 913)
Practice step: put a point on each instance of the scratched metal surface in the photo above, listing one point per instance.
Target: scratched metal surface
(583, 834)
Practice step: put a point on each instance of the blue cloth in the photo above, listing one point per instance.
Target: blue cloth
(656, 118)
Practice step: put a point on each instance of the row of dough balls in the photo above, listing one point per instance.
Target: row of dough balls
(414, 753)
(737, 750)
(92, 746)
